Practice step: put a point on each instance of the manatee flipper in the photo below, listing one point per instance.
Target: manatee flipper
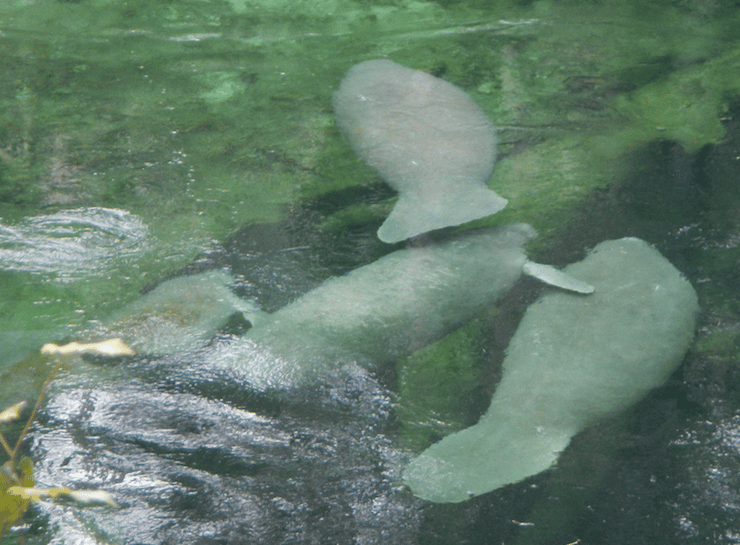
(550, 275)
(413, 215)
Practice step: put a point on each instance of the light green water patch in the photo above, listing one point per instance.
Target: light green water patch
(36, 310)
(34, 306)
(46, 302)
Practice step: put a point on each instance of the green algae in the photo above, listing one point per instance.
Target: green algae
(438, 384)
(200, 117)
(720, 343)
(688, 106)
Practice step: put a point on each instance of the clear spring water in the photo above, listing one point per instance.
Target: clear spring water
(143, 140)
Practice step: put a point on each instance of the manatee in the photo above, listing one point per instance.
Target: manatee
(572, 361)
(179, 315)
(426, 138)
(387, 309)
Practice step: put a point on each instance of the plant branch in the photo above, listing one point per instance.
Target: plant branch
(44, 389)
(5, 445)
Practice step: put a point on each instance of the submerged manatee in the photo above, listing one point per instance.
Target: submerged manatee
(386, 309)
(181, 314)
(427, 138)
(572, 361)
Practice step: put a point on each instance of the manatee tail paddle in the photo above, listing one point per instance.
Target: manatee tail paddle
(414, 214)
(493, 453)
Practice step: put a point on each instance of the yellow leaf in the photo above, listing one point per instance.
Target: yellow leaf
(92, 497)
(12, 413)
(111, 347)
(12, 506)
(28, 493)
(87, 497)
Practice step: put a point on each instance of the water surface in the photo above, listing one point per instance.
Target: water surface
(141, 141)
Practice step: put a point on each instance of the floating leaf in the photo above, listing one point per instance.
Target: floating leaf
(29, 493)
(87, 497)
(92, 497)
(111, 347)
(12, 413)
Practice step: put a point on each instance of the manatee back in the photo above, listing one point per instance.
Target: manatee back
(595, 355)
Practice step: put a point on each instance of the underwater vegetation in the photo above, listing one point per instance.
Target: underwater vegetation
(209, 127)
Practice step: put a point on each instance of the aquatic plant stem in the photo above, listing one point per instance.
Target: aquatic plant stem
(5, 445)
(44, 389)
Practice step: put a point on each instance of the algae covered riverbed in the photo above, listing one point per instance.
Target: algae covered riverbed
(144, 141)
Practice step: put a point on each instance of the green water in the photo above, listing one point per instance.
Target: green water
(199, 117)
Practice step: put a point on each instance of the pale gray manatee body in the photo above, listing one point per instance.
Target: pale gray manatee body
(385, 310)
(427, 138)
(572, 361)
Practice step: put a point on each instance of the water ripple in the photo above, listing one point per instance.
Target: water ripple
(71, 242)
